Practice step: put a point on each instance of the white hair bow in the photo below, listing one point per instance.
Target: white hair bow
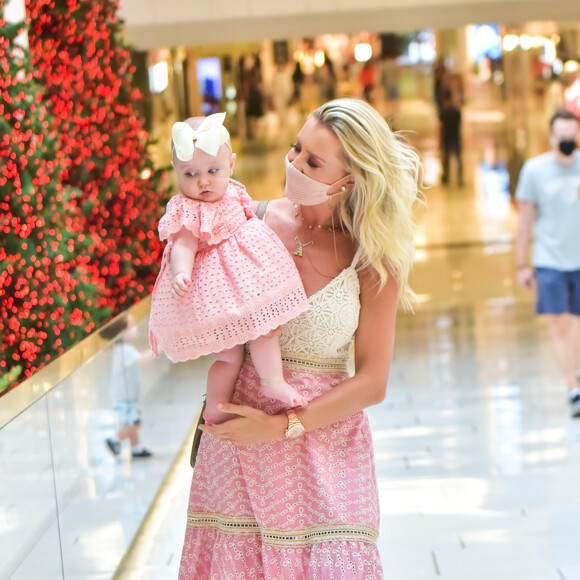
(208, 137)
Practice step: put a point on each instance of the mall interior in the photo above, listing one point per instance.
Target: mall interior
(477, 456)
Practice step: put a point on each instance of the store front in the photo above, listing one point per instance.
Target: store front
(510, 76)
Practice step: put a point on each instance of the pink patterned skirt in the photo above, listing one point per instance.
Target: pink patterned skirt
(305, 509)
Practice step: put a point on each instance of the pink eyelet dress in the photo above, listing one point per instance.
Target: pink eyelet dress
(291, 509)
(244, 281)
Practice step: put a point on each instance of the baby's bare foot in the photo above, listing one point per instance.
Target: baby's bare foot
(282, 391)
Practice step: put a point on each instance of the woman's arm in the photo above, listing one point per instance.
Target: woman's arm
(374, 342)
(182, 257)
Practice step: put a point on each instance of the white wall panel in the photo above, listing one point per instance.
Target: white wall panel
(155, 23)
(231, 9)
(262, 8)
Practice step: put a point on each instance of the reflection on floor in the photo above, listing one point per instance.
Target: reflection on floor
(478, 462)
(60, 486)
(477, 459)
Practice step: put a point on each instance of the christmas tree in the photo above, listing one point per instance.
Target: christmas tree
(87, 73)
(51, 295)
(80, 200)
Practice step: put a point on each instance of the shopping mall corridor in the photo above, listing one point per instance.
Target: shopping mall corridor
(478, 461)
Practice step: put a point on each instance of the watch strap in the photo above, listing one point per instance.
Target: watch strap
(293, 421)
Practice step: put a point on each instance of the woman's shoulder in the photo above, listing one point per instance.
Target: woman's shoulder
(374, 292)
(279, 208)
(280, 216)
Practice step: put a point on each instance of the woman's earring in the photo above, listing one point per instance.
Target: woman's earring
(343, 188)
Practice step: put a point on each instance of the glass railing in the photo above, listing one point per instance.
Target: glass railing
(69, 507)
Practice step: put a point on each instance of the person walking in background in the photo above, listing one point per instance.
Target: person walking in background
(548, 195)
(255, 108)
(297, 80)
(367, 79)
(280, 493)
(450, 128)
(439, 86)
(125, 386)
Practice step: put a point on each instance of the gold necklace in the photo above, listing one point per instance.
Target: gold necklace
(328, 227)
(300, 251)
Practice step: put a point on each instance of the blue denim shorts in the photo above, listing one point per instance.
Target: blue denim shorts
(128, 412)
(558, 291)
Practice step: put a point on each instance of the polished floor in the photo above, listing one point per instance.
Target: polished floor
(477, 458)
(478, 461)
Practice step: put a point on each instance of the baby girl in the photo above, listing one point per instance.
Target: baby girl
(226, 278)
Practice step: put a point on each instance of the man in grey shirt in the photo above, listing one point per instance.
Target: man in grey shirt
(548, 195)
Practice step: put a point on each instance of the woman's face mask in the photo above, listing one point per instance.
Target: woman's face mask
(303, 190)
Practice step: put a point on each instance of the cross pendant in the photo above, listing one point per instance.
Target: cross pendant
(299, 251)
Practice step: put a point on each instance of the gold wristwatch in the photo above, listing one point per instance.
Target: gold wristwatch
(295, 428)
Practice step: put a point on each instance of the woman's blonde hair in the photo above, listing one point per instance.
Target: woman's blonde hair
(378, 211)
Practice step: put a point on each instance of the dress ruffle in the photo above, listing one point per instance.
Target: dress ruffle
(211, 222)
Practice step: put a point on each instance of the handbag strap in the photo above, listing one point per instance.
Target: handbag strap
(261, 212)
(197, 434)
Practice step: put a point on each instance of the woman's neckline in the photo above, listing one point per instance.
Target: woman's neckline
(350, 267)
(330, 282)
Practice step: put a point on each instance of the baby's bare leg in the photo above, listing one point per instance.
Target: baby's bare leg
(221, 381)
(265, 353)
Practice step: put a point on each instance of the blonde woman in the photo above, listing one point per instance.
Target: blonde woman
(292, 494)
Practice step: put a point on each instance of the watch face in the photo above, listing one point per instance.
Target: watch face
(294, 431)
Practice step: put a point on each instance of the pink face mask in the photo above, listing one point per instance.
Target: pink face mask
(303, 190)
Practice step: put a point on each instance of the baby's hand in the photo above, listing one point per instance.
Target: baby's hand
(180, 286)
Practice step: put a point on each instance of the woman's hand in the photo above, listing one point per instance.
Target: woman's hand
(251, 426)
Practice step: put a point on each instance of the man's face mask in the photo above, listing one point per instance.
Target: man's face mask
(568, 146)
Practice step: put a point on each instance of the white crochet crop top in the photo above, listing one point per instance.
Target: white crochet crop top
(326, 330)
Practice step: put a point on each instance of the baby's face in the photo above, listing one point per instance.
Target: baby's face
(205, 177)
